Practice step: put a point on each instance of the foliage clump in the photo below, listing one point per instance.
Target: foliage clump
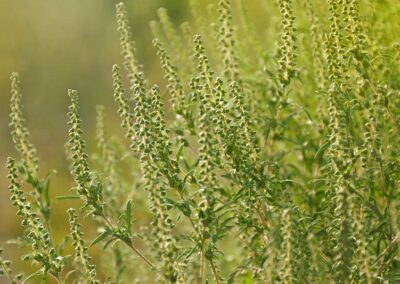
(275, 166)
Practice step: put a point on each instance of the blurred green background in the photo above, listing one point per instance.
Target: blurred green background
(56, 45)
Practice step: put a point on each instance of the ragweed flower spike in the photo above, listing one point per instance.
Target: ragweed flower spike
(168, 29)
(287, 47)
(127, 44)
(86, 186)
(204, 84)
(100, 132)
(81, 171)
(291, 253)
(108, 160)
(123, 106)
(81, 251)
(19, 132)
(160, 131)
(43, 253)
(140, 98)
(203, 65)
(227, 42)
(317, 43)
(175, 86)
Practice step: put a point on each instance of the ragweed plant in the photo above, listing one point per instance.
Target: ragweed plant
(271, 163)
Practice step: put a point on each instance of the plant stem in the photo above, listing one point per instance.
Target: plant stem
(214, 270)
(202, 261)
(145, 259)
(5, 269)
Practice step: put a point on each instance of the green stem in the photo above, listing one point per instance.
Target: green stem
(214, 270)
(202, 261)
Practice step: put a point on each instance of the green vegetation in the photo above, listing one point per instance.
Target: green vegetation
(268, 164)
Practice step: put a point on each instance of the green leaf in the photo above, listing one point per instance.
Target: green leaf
(61, 246)
(46, 186)
(109, 242)
(321, 150)
(37, 273)
(62, 197)
(179, 153)
(188, 174)
(128, 216)
(99, 238)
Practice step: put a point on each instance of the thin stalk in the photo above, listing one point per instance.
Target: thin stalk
(5, 269)
(272, 141)
(107, 221)
(390, 246)
(202, 261)
(215, 273)
(56, 278)
(145, 259)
